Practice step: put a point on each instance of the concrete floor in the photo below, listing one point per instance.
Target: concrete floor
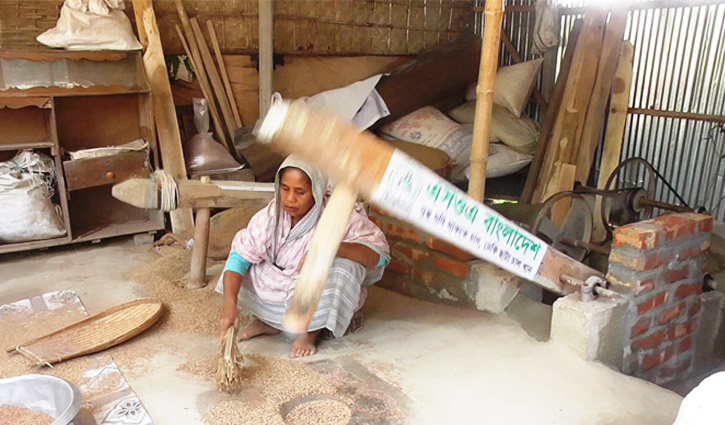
(444, 365)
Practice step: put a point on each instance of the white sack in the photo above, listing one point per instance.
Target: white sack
(546, 27)
(514, 85)
(91, 25)
(519, 133)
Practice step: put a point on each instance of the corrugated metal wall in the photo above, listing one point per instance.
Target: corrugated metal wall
(677, 103)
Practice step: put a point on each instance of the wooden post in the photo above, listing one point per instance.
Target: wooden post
(616, 122)
(596, 112)
(197, 273)
(484, 101)
(266, 58)
(550, 118)
(223, 72)
(167, 126)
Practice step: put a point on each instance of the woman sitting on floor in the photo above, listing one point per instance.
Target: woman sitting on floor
(273, 248)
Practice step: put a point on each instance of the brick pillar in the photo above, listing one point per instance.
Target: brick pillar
(660, 264)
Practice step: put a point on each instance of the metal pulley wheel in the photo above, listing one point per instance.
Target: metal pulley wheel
(571, 234)
(633, 173)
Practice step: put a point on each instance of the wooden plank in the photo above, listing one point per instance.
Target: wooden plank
(266, 52)
(550, 118)
(17, 103)
(62, 191)
(430, 77)
(216, 82)
(596, 113)
(197, 271)
(92, 172)
(614, 133)
(75, 91)
(564, 177)
(484, 99)
(569, 123)
(538, 97)
(204, 86)
(223, 71)
(164, 112)
(40, 55)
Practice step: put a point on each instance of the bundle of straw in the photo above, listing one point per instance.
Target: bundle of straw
(229, 362)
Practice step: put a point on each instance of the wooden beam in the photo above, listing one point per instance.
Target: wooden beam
(679, 115)
(484, 101)
(197, 270)
(266, 51)
(538, 97)
(223, 71)
(569, 123)
(216, 82)
(143, 193)
(616, 123)
(167, 126)
(544, 138)
(192, 51)
(596, 112)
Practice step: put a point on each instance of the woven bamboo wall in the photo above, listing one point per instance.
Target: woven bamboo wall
(318, 27)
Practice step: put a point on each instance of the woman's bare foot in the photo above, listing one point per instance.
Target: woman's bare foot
(305, 345)
(258, 328)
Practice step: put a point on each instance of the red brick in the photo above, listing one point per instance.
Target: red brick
(678, 331)
(705, 246)
(649, 342)
(674, 371)
(640, 262)
(685, 345)
(657, 359)
(636, 237)
(398, 267)
(695, 308)
(641, 327)
(676, 275)
(645, 286)
(402, 232)
(685, 290)
(689, 253)
(448, 249)
(411, 253)
(452, 267)
(672, 314)
(651, 303)
(378, 222)
(704, 222)
(424, 277)
(676, 226)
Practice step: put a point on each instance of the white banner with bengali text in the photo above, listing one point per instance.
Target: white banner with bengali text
(417, 195)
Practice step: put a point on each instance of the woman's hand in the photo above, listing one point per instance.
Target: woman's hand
(230, 317)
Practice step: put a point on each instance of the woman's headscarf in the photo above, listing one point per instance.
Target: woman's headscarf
(319, 188)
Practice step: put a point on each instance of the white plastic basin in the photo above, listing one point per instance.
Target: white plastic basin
(53, 396)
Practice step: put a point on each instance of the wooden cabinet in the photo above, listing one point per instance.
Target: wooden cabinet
(74, 101)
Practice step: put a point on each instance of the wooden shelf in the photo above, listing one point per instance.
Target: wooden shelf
(128, 228)
(24, 246)
(29, 145)
(75, 91)
(46, 55)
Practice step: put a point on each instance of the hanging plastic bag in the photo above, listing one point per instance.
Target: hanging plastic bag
(91, 25)
(204, 153)
(26, 187)
(546, 27)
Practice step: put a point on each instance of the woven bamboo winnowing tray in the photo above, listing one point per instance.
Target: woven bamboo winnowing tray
(95, 333)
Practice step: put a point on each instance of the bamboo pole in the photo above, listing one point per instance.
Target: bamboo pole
(484, 101)
(266, 52)
(223, 72)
